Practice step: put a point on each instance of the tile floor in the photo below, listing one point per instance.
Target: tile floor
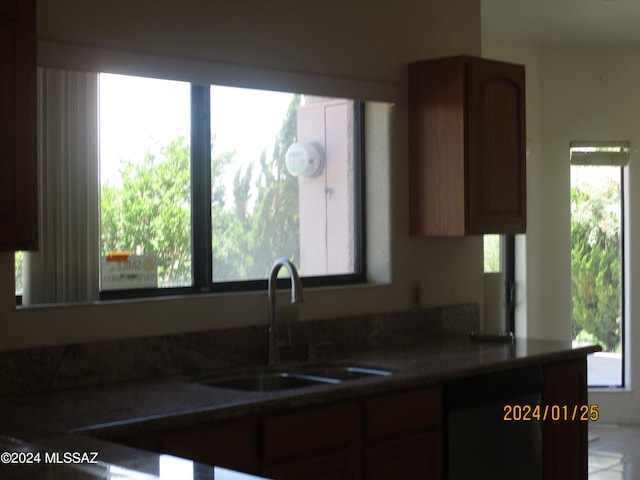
(614, 452)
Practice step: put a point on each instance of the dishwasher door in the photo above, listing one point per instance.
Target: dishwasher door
(480, 443)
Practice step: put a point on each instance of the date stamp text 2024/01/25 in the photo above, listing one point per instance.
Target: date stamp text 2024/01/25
(554, 413)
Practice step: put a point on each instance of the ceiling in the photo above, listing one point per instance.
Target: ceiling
(563, 23)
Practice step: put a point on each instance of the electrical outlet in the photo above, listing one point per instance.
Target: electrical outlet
(415, 301)
(288, 313)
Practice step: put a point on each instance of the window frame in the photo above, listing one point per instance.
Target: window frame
(201, 228)
(618, 159)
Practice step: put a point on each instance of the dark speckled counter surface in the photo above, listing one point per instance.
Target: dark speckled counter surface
(88, 417)
(121, 409)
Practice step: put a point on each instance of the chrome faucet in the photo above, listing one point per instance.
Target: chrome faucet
(273, 357)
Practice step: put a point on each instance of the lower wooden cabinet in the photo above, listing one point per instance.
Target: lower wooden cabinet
(404, 436)
(418, 457)
(319, 443)
(397, 435)
(232, 445)
(359, 439)
(565, 442)
(336, 466)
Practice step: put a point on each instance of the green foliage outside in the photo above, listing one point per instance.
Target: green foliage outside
(491, 253)
(246, 241)
(595, 263)
(19, 267)
(150, 212)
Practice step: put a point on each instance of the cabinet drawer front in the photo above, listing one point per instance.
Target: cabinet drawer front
(403, 412)
(415, 457)
(334, 427)
(231, 445)
(336, 466)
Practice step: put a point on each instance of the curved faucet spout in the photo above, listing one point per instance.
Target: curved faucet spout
(297, 296)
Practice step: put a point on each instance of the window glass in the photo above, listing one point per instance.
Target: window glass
(285, 173)
(597, 267)
(19, 262)
(145, 182)
(282, 183)
(491, 253)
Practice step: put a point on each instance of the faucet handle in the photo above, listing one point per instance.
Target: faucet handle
(313, 349)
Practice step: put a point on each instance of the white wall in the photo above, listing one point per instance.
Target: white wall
(330, 42)
(574, 94)
(589, 94)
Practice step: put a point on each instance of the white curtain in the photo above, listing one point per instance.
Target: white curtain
(66, 268)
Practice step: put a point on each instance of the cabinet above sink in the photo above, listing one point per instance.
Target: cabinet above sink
(467, 147)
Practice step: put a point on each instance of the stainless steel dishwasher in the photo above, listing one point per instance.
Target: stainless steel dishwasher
(480, 444)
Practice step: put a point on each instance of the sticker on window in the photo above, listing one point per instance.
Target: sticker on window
(120, 271)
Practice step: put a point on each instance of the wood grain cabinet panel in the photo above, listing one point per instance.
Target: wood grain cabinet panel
(565, 442)
(318, 443)
(335, 466)
(404, 412)
(418, 457)
(233, 445)
(18, 160)
(467, 147)
(395, 435)
(403, 437)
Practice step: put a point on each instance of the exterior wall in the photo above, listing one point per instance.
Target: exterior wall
(327, 222)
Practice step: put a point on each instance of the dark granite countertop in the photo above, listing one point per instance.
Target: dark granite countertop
(88, 417)
(120, 409)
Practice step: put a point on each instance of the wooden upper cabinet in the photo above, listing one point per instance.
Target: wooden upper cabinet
(467, 147)
(18, 160)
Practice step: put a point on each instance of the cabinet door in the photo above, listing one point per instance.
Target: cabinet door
(319, 443)
(467, 147)
(18, 184)
(496, 148)
(414, 458)
(337, 466)
(565, 442)
(403, 413)
(437, 147)
(404, 435)
(233, 445)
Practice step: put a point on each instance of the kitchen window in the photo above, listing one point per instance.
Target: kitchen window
(203, 187)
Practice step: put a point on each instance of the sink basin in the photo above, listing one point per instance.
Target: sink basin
(270, 381)
(340, 372)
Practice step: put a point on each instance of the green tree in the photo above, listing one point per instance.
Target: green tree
(595, 262)
(491, 253)
(149, 212)
(276, 220)
(246, 242)
(19, 263)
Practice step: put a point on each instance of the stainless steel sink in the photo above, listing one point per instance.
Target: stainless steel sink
(296, 377)
(342, 372)
(269, 381)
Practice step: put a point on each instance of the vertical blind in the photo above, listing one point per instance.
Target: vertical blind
(65, 269)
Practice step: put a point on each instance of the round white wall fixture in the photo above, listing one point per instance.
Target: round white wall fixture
(304, 159)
